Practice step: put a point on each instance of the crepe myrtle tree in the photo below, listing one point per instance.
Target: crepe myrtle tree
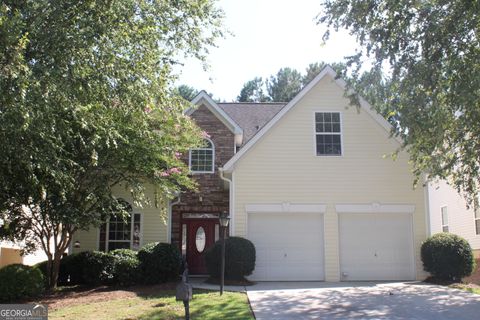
(85, 106)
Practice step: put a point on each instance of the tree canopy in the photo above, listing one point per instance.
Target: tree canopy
(253, 91)
(431, 51)
(186, 92)
(85, 105)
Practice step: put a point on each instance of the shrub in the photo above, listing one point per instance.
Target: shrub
(239, 258)
(159, 262)
(126, 267)
(447, 257)
(97, 267)
(19, 281)
(70, 272)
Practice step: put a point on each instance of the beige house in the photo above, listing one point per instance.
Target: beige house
(309, 182)
(449, 213)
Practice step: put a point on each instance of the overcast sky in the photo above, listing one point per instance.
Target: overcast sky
(268, 35)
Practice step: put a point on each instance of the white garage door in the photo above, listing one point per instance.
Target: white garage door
(376, 247)
(289, 246)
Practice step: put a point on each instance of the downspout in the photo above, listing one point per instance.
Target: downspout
(230, 201)
(169, 220)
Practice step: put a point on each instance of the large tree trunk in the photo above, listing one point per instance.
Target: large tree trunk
(55, 269)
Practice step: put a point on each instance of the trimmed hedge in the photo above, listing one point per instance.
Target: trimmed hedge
(447, 257)
(87, 267)
(18, 281)
(159, 262)
(240, 258)
(126, 267)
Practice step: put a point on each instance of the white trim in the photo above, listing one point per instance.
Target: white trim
(213, 158)
(232, 205)
(107, 232)
(315, 133)
(426, 193)
(230, 201)
(375, 208)
(414, 260)
(286, 207)
(441, 218)
(327, 71)
(207, 101)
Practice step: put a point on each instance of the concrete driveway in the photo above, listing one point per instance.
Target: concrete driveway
(361, 300)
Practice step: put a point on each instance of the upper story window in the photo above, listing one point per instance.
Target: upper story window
(444, 219)
(328, 135)
(202, 160)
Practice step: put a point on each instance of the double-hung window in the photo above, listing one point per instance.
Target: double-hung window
(444, 219)
(328, 134)
(202, 160)
(121, 232)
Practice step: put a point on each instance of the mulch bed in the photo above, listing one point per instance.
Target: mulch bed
(475, 277)
(85, 295)
(473, 281)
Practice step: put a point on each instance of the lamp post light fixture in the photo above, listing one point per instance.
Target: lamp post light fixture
(76, 244)
(224, 219)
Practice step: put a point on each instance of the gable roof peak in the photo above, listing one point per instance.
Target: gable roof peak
(326, 71)
(203, 98)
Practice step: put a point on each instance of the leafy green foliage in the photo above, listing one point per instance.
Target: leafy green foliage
(240, 258)
(284, 85)
(86, 105)
(186, 92)
(126, 267)
(19, 281)
(431, 50)
(87, 267)
(159, 262)
(253, 91)
(447, 256)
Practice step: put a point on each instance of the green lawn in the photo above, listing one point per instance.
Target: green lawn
(466, 287)
(205, 305)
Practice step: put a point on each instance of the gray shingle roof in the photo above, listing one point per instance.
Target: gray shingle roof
(250, 116)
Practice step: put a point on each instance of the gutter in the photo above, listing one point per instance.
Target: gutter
(230, 200)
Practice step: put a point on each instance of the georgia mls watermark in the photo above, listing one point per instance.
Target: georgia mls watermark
(23, 312)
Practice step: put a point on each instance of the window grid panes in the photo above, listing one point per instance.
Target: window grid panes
(444, 219)
(201, 159)
(328, 133)
(118, 233)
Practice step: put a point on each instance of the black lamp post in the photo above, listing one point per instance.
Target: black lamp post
(223, 219)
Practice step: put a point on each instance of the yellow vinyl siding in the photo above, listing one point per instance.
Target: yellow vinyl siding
(154, 222)
(283, 167)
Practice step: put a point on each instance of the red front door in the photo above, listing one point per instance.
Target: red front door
(200, 236)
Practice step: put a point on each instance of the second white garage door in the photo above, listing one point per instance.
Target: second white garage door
(376, 246)
(289, 246)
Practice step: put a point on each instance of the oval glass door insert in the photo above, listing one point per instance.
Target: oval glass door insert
(200, 239)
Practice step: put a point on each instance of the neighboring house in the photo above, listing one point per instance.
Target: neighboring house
(10, 253)
(449, 213)
(306, 181)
